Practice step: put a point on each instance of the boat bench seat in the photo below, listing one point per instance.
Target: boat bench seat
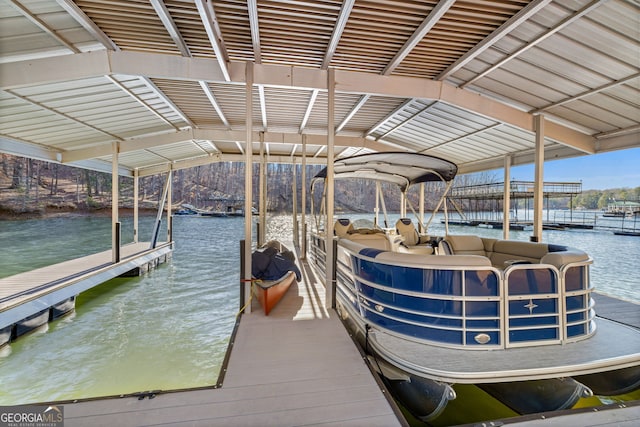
(371, 239)
(382, 252)
(503, 253)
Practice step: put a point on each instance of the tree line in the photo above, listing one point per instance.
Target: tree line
(32, 185)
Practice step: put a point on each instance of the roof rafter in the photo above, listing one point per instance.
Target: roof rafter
(525, 13)
(212, 99)
(562, 24)
(307, 113)
(587, 93)
(43, 26)
(166, 99)
(336, 35)
(407, 120)
(338, 29)
(139, 100)
(208, 17)
(252, 9)
(170, 25)
(86, 22)
(66, 116)
(432, 19)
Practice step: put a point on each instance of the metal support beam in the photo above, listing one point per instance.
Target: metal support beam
(136, 196)
(262, 215)
(294, 200)
(169, 193)
(115, 239)
(328, 226)
(304, 198)
(506, 220)
(208, 17)
(538, 179)
(248, 187)
(163, 198)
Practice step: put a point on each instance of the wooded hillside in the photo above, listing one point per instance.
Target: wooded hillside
(35, 187)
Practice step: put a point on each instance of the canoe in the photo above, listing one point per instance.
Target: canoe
(270, 292)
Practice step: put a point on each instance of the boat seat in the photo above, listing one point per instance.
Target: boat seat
(462, 245)
(342, 227)
(411, 242)
(377, 240)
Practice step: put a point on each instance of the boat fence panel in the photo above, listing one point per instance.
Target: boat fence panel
(578, 302)
(455, 306)
(533, 305)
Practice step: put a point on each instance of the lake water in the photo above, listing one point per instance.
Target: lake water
(169, 329)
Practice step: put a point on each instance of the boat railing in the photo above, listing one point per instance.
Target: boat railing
(464, 301)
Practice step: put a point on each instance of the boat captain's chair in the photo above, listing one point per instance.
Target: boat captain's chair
(410, 238)
(342, 227)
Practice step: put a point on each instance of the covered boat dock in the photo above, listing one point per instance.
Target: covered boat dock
(137, 88)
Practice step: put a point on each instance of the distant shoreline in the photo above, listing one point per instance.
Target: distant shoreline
(68, 212)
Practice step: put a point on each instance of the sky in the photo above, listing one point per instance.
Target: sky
(616, 169)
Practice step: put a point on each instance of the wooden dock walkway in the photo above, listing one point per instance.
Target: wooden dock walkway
(298, 366)
(25, 294)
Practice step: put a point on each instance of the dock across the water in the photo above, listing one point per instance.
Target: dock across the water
(29, 300)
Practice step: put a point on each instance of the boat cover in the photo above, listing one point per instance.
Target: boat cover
(401, 168)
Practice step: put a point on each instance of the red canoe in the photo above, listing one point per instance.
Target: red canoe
(269, 292)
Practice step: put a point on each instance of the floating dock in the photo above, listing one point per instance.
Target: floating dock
(29, 300)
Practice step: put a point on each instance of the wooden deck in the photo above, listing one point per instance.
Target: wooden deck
(298, 366)
(621, 311)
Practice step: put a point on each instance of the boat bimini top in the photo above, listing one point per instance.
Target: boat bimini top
(401, 168)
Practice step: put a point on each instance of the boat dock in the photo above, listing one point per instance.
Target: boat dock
(297, 366)
(30, 299)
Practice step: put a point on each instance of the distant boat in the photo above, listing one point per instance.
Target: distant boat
(627, 233)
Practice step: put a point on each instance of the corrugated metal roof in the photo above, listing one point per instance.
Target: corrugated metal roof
(452, 78)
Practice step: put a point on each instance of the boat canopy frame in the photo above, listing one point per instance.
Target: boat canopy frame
(403, 169)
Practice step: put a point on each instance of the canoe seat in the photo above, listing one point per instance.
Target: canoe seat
(342, 227)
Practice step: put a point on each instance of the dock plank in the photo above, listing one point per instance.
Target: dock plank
(618, 310)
